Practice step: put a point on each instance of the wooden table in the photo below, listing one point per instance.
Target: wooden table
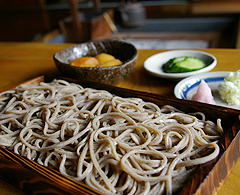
(23, 61)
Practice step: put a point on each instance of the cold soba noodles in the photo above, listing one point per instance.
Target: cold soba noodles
(115, 145)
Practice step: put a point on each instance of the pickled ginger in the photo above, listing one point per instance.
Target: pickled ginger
(204, 94)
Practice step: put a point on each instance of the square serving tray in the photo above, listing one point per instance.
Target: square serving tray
(34, 178)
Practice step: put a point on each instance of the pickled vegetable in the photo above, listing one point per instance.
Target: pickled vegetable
(183, 64)
(104, 57)
(114, 62)
(85, 62)
(101, 60)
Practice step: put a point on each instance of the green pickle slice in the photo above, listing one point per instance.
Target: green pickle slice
(183, 64)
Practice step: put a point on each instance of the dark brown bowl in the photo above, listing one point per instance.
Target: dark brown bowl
(123, 51)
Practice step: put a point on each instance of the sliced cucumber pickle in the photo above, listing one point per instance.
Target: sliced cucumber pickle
(183, 64)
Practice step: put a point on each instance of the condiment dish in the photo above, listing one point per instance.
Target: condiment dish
(154, 64)
(186, 88)
(112, 75)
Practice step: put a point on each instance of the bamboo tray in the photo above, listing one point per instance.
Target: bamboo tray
(34, 178)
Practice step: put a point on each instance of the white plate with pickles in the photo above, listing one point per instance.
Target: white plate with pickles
(154, 64)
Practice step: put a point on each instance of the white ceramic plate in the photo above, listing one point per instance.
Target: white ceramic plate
(154, 64)
(187, 87)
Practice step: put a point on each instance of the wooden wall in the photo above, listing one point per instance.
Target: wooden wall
(21, 20)
(24, 20)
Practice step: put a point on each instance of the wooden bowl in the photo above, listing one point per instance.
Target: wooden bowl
(123, 51)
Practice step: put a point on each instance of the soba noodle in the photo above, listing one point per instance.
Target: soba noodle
(115, 145)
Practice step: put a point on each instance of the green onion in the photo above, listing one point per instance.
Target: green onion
(229, 90)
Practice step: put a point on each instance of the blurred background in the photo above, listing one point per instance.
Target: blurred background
(160, 24)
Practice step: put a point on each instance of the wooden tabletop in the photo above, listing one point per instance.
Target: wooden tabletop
(22, 61)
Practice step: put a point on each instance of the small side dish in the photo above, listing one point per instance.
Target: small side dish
(154, 64)
(187, 88)
(89, 55)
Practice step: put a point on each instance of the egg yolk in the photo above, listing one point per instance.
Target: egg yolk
(85, 62)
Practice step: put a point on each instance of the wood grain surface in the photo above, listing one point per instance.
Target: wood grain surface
(22, 61)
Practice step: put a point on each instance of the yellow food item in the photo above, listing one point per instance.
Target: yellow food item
(85, 62)
(101, 60)
(114, 62)
(104, 57)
